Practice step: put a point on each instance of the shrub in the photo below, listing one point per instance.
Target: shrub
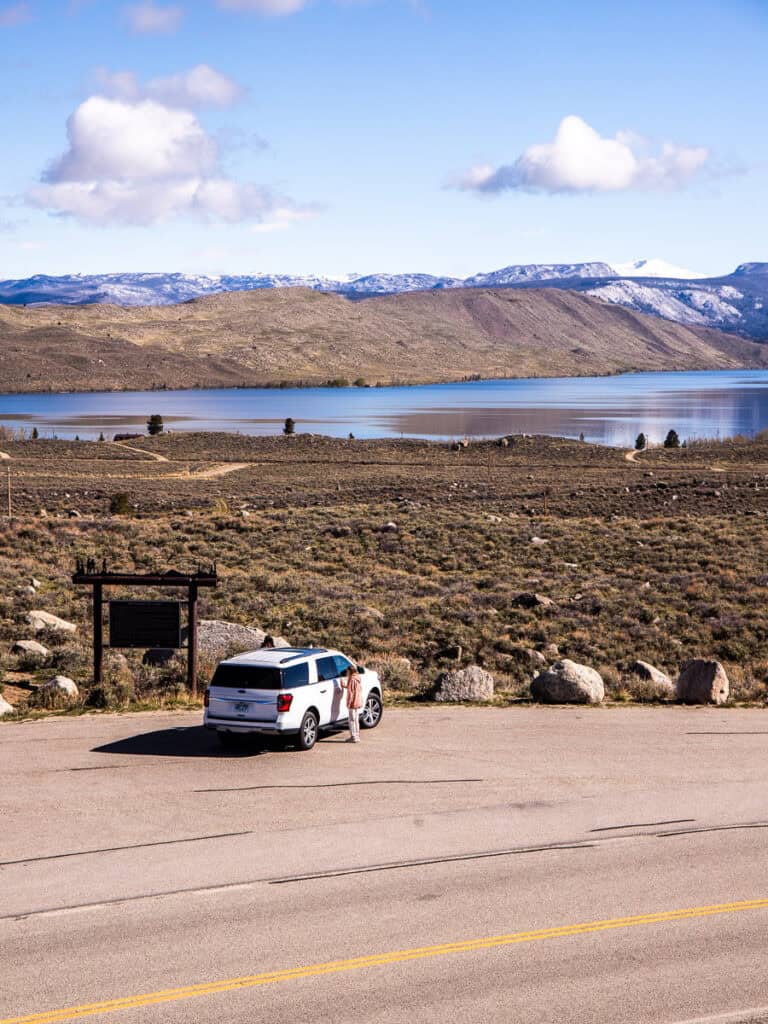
(641, 442)
(289, 426)
(120, 504)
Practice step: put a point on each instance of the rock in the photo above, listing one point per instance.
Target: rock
(30, 649)
(538, 542)
(529, 600)
(702, 681)
(35, 583)
(74, 514)
(5, 707)
(471, 683)
(568, 683)
(551, 652)
(662, 685)
(535, 656)
(339, 530)
(365, 611)
(27, 592)
(217, 638)
(40, 620)
(62, 684)
(389, 527)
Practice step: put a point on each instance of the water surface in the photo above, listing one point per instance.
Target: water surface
(609, 410)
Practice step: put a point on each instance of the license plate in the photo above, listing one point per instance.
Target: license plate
(241, 708)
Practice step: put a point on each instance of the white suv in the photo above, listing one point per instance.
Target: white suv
(285, 691)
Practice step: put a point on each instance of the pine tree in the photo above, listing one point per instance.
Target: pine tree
(641, 442)
(672, 440)
(290, 427)
(155, 425)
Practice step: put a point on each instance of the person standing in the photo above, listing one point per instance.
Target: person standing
(353, 684)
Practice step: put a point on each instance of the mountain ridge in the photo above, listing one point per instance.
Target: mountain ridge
(283, 336)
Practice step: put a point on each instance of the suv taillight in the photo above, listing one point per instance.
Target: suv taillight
(284, 701)
(207, 698)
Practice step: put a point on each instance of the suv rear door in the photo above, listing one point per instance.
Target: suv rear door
(245, 693)
(328, 692)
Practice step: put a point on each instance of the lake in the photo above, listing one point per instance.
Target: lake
(608, 410)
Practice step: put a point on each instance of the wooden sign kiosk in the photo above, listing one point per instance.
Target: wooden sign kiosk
(141, 632)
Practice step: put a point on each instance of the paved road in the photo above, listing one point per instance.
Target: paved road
(469, 865)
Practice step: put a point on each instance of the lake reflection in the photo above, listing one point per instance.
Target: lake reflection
(610, 410)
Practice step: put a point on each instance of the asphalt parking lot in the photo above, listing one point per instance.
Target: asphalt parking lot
(532, 864)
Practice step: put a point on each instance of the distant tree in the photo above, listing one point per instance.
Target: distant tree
(35, 433)
(581, 436)
(155, 425)
(77, 437)
(641, 442)
(289, 427)
(101, 436)
(672, 440)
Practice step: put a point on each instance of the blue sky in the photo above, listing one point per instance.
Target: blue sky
(313, 136)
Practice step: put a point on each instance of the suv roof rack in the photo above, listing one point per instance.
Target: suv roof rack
(300, 652)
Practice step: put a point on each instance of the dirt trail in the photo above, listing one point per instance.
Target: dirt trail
(4, 455)
(631, 455)
(212, 471)
(142, 451)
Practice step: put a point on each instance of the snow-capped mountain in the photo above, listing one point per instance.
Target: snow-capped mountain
(533, 272)
(737, 302)
(654, 268)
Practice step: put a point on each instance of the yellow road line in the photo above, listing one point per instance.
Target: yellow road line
(379, 960)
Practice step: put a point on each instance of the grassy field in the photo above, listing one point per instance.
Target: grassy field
(661, 558)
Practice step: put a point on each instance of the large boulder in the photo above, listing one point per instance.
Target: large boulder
(31, 650)
(567, 682)
(702, 681)
(39, 620)
(63, 685)
(5, 707)
(218, 639)
(659, 684)
(471, 683)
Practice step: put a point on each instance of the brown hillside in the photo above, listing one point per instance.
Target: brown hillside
(264, 337)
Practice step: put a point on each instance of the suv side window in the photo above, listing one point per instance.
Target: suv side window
(342, 664)
(326, 669)
(296, 675)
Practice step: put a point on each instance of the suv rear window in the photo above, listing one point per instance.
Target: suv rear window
(252, 677)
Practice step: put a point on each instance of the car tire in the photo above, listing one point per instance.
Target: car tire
(308, 730)
(371, 713)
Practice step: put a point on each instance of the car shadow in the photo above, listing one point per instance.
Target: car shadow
(194, 741)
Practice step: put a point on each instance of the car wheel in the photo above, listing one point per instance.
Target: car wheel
(372, 711)
(307, 732)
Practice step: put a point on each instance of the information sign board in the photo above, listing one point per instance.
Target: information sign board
(145, 624)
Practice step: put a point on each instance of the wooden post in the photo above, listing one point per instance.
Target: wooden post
(98, 635)
(192, 639)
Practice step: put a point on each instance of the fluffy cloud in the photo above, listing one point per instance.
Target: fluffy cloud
(201, 86)
(144, 163)
(274, 7)
(16, 14)
(580, 160)
(146, 18)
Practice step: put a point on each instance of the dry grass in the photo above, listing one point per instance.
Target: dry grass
(636, 569)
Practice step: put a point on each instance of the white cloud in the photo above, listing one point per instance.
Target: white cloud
(580, 160)
(144, 163)
(199, 87)
(112, 139)
(146, 18)
(273, 7)
(282, 217)
(14, 15)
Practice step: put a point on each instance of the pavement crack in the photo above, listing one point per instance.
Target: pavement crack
(336, 785)
(643, 824)
(117, 849)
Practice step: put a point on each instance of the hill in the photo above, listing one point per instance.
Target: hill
(299, 335)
